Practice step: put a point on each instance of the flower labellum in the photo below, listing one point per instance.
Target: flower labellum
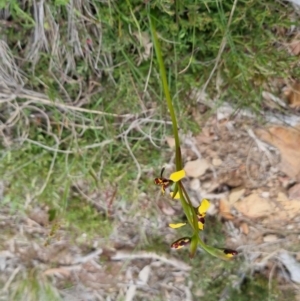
(201, 222)
(230, 253)
(180, 243)
(163, 182)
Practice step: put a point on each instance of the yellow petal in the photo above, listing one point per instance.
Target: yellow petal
(204, 206)
(200, 226)
(178, 225)
(177, 176)
(176, 197)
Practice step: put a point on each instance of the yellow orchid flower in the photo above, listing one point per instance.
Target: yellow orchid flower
(164, 183)
(202, 209)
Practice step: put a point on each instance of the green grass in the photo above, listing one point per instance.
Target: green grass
(34, 287)
(108, 78)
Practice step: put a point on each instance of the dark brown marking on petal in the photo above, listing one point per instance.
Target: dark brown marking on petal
(180, 243)
(231, 252)
(201, 219)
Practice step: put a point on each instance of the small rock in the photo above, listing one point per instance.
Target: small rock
(196, 168)
(171, 142)
(235, 194)
(217, 162)
(195, 184)
(265, 194)
(294, 192)
(270, 238)
(207, 185)
(39, 216)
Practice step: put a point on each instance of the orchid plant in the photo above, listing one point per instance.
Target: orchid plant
(195, 216)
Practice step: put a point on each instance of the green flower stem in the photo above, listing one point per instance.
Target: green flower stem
(186, 207)
(194, 216)
(163, 77)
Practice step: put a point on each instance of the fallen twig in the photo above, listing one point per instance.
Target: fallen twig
(120, 255)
